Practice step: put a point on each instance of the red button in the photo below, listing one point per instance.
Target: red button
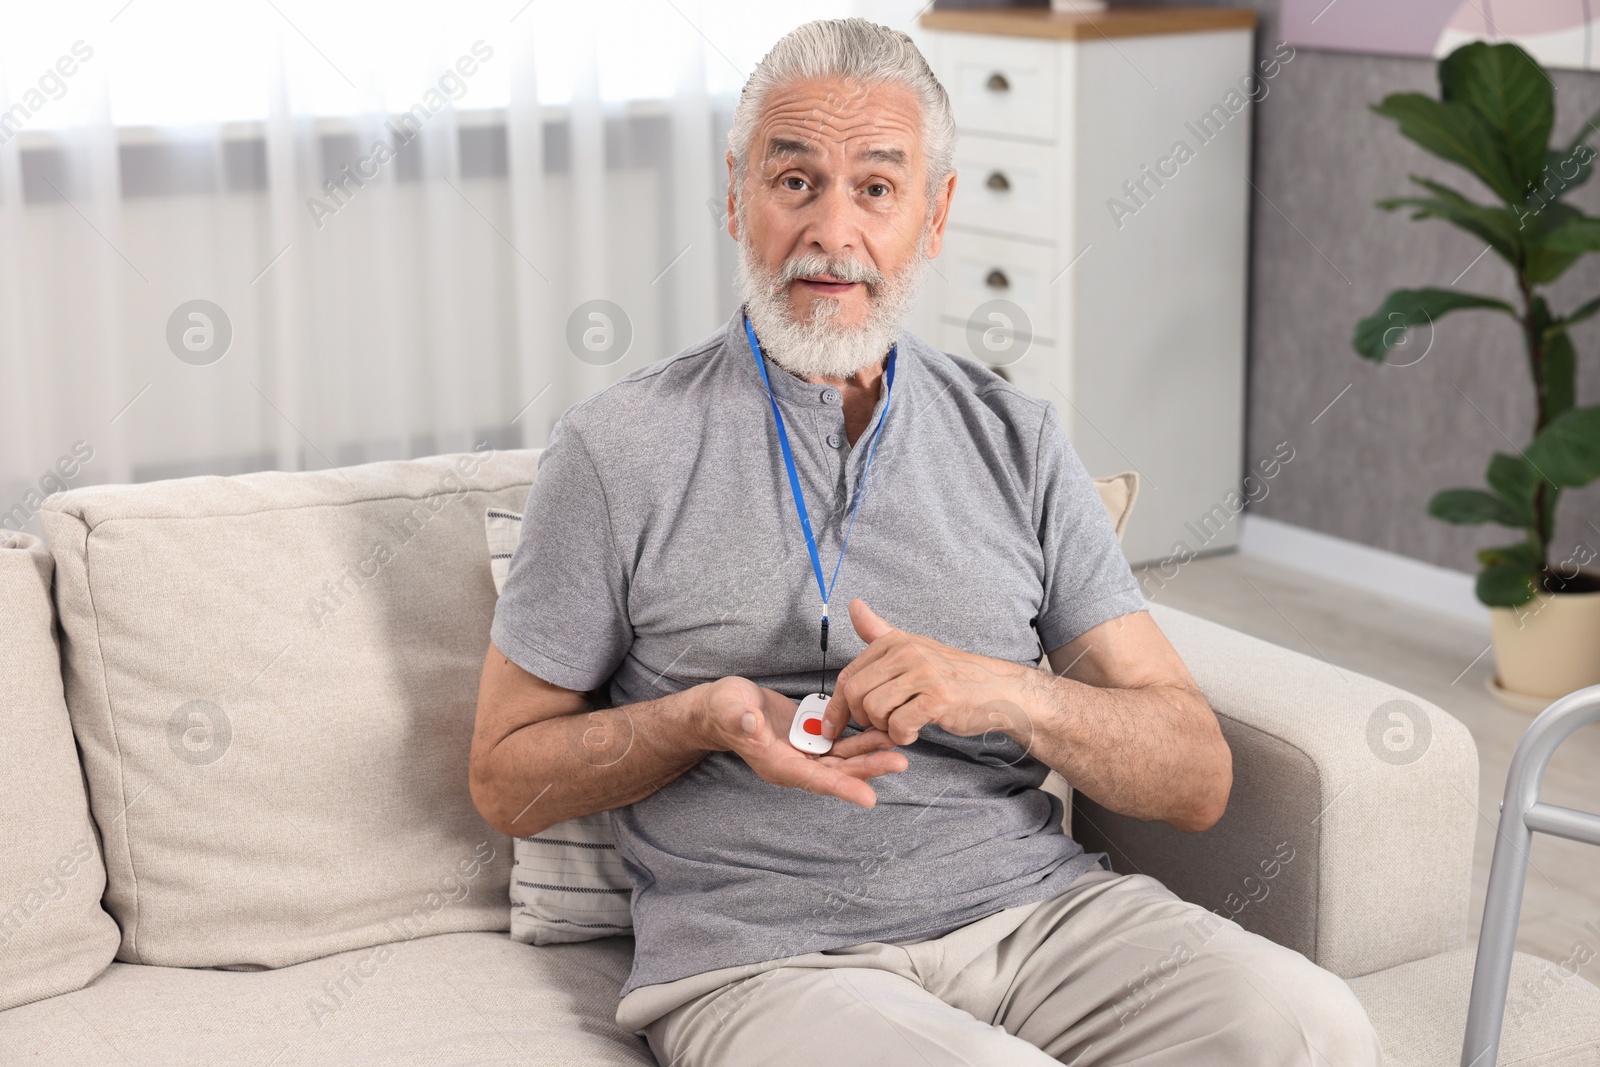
(812, 726)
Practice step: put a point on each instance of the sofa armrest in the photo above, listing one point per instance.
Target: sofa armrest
(1349, 833)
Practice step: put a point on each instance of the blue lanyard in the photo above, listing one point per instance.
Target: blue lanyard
(825, 589)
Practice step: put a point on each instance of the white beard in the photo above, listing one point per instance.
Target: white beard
(820, 346)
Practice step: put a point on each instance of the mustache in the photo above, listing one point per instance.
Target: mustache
(811, 264)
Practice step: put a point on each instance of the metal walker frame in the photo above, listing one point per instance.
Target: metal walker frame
(1521, 813)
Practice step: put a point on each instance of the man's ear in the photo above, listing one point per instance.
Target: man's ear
(733, 217)
(941, 212)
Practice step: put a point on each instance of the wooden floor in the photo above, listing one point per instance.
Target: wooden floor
(1443, 660)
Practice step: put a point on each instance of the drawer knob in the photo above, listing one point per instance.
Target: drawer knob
(997, 279)
(997, 83)
(999, 182)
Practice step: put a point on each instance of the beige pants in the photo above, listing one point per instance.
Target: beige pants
(1114, 970)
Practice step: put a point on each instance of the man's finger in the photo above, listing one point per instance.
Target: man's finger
(880, 701)
(872, 764)
(909, 718)
(816, 777)
(835, 715)
(861, 743)
(869, 655)
(867, 678)
(849, 681)
(752, 727)
(868, 623)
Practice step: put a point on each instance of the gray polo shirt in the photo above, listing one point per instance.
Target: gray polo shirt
(661, 549)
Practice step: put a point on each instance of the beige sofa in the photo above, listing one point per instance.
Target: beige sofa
(261, 849)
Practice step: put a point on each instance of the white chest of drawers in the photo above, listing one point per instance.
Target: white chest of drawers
(1130, 318)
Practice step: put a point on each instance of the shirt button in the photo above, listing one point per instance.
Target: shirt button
(830, 396)
(834, 440)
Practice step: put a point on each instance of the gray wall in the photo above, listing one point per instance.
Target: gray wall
(1323, 257)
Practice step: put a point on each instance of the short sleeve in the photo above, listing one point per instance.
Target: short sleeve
(562, 615)
(1087, 579)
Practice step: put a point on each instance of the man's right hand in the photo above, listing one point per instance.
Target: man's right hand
(744, 718)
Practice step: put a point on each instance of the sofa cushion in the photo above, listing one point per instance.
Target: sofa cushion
(467, 998)
(54, 935)
(1420, 1012)
(1118, 492)
(273, 679)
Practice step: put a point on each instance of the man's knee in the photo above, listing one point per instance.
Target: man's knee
(839, 1016)
(1294, 1012)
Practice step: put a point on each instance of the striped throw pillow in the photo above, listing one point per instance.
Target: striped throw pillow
(567, 881)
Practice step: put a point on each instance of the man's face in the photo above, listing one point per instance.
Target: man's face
(837, 171)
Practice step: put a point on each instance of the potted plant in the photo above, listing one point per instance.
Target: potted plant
(1494, 117)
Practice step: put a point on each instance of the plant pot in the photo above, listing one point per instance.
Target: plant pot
(1546, 648)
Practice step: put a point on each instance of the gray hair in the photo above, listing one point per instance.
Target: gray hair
(856, 49)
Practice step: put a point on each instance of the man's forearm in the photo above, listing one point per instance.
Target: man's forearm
(1142, 740)
(1153, 752)
(589, 761)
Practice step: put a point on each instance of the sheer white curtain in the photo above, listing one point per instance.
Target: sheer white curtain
(399, 216)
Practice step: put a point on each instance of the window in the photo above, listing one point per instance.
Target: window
(202, 62)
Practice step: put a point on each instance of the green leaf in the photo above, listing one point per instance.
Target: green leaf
(1492, 224)
(1567, 450)
(1458, 133)
(1509, 574)
(1563, 172)
(1591, 126)
(1560, 375)
(1473, 507)
(1583, 311)
(1549, 246)
(1500, 216)
(1507, 87)
(1506, 585)
(1552, 497)
(1577, 235)
(1514, 482)
(1558, 363)
(1404, 309)
(1521, 554)
(1429, 208)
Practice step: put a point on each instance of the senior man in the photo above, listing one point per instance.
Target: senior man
(686, 534)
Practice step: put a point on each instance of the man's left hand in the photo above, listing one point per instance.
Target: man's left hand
(905, 681)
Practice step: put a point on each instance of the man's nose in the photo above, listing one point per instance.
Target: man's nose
(831, 228)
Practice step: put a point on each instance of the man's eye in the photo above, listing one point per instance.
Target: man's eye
(877, 189)
(794, 183)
